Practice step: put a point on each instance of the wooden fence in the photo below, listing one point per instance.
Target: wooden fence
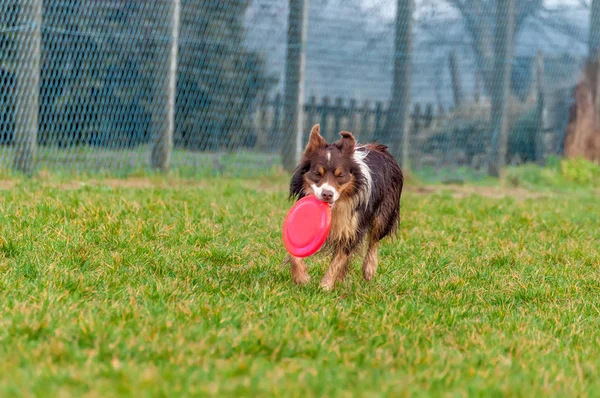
(366, 120)
(459, 136)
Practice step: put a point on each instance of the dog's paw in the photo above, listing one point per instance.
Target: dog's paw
(327, 285)
(368, 274)
(369, 269)
(301, 278)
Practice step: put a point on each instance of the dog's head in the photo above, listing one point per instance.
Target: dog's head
(326, 170)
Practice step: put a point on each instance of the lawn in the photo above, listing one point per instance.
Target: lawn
(156, 287)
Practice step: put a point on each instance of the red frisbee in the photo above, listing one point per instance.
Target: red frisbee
(306, 226)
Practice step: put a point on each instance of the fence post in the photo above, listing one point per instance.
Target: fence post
(338, 113)
(539, 133)
(500, 90)
(312, 111)
(397, 124)
(276, 125)
(27, 93)
(415, 125)
(428, 117)
(261, 124)
(352, 116)
(455, 77)
(416, 119)
(324, 115)
(594, 39)
(365, 128)
(294, 83)
(477, 93)
(594, 49)
(165, 81)
(378, 121)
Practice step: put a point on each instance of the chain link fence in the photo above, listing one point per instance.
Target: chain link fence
(213, 86)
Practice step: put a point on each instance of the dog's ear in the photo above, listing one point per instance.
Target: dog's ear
(315, 141)
(297, 180)
(347, 143)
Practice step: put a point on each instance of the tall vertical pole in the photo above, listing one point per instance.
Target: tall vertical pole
(594, 39)
(455, 79)
(397, 124)
(27, 93)
(500, 90)
(165, 81)
(294, 83)
(540, 110)
(594, 49)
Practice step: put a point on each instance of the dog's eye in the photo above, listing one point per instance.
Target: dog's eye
(318, 174)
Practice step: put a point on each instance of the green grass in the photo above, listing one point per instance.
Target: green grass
(556, 174)
(178, 289)
(135, 161)
(565, 175)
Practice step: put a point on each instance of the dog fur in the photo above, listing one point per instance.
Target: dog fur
(363, 184)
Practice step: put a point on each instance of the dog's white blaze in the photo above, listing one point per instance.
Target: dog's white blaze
(329, 156)
(359, 158)
(319, 191)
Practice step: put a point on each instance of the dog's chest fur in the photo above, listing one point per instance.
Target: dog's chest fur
(344, 222)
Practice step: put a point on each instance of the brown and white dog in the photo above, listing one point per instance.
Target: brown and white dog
(363, 184)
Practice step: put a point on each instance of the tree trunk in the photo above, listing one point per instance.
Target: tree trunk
(294, 83)
(501, 84)
(397, 129)
(28, 42)
(479, 21)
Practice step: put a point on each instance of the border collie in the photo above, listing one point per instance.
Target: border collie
(363, 185)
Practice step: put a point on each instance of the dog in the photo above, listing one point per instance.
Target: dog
(363, 186)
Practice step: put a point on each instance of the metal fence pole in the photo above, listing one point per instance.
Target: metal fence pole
(540, 150)
(455, 79)
(594, 48)
(163, 118)
(294, 83)
(500, 90)
(594, 39)
(27, 92)
(398, 117)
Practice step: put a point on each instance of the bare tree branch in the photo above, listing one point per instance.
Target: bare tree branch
(479, 18)
(584, 3)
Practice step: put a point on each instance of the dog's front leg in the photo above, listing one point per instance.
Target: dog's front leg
(338, 266)
(299, 271)
(370, 262)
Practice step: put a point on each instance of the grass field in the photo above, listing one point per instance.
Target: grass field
(151, 287)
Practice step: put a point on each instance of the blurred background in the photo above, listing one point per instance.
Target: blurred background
(455, 88)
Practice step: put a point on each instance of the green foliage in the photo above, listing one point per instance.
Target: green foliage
(162, 287)
(581, 172)
(557, 174)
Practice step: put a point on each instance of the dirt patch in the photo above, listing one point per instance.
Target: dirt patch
(7, 184)
(265, 186)
(134, 182)
(420, 190)
(70, 185)
(463, 191)
(113, 183)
